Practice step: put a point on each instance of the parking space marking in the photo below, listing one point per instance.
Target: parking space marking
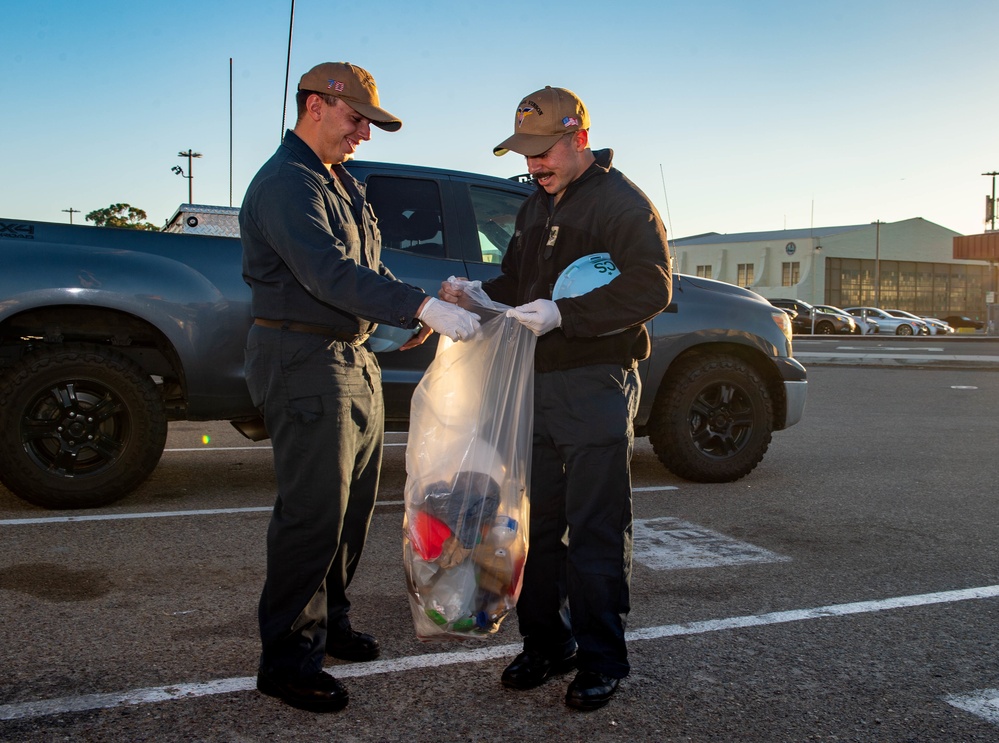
(200, 512)
(265, 447)
(153, 515)
(899, 357)
(984, 703)
(939, 349)
(821, 612)
(217, 449)
(668, 543)
(150, 695)
(124, 516)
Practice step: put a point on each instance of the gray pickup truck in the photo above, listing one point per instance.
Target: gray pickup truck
(106, 335)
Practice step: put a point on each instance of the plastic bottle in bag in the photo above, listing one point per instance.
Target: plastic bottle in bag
(452, 594)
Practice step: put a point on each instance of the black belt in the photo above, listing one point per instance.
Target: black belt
(354, 339)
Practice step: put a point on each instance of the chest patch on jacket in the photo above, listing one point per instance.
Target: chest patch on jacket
(552, 237)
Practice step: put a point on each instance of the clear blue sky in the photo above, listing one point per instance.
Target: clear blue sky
(744, 115)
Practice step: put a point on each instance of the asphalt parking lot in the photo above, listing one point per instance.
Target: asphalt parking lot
(848, 589)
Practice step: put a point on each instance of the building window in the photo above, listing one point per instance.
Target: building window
(924, 288)
(790, 273)
(704, 272)
(745, 277)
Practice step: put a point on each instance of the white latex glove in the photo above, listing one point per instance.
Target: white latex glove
(449, 319)
(540, 316)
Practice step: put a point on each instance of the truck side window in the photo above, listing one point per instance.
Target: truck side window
(409, 214)
(495, 216)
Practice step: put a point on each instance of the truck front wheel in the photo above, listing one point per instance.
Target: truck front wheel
(82, 426)
(712, 420)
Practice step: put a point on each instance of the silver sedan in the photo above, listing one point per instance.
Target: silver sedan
(889, 323)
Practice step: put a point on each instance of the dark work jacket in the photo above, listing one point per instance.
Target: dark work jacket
(600, 212)
(312, 249)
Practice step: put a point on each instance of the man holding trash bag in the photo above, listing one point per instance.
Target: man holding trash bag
(576, 591)
(311, 255)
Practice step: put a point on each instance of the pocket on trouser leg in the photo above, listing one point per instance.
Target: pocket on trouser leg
(305, 409)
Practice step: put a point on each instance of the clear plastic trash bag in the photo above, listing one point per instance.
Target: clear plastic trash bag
(467, 462)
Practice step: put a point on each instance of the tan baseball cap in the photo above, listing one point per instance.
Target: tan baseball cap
(355, 86)
(542, 119)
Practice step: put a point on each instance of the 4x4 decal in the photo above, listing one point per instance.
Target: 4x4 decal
(23, 231)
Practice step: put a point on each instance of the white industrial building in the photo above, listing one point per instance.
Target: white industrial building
(905, 265)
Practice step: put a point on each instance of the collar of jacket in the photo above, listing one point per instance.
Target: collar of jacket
(305, 154)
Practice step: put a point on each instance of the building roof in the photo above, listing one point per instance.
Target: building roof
(713, 238)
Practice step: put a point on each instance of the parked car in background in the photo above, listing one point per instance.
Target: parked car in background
(801, 322)
(824, 322)
(889, 323)
(937, 327)
(963, 321)
(864, 326)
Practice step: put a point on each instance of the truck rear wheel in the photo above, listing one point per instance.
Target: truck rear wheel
(712, 420)
(82, 426)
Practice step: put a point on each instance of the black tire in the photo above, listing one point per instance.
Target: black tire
(712, 420)
(825, 328)
(82, 427)
(903, 329)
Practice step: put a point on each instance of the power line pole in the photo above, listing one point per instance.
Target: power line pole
(190, 154)
(230, 131)
(71, 211)
(990, 211)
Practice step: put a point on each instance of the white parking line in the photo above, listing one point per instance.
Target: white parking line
(264, 447)
(900, 357)
(200, 512)
(154, 515)
(892, 348)
(984, 703)
(149, 695)
(126, 516)
(217, 449)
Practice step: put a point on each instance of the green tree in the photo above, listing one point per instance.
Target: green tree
(121, 215)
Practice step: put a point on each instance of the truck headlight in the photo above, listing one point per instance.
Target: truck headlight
(783, 322)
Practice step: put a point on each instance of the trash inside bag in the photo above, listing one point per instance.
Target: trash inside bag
(465, 529)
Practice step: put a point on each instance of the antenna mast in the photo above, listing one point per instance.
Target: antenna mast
(287, 70)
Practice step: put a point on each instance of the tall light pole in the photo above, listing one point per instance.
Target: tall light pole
(190, 155)
(816, 252)
(877, 264)
(990, 213)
